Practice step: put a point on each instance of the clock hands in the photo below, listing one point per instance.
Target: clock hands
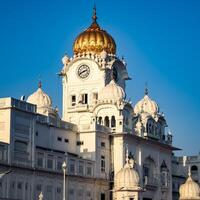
(85, 70)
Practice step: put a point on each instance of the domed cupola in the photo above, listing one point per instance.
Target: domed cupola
(146, 105)
(189, 190)
(112, 92)
(94, 39)
(41, 99)
(127, 178)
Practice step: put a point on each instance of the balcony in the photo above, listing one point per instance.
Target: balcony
(102, 128)
(150, 183)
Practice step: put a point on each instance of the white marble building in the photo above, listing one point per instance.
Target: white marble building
(96, 125)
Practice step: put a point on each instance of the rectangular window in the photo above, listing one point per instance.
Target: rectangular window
(103, 144)
(145, 171)
(59, 163)
(26, 186)
(72, 166)
(59, 190)
(84, 98)
(73, 100)
(80, 168)
(40, 162)
(103, 196)
(50, 162)
(40, 158)
(66, 140)
(102, 163)
(79, 143)
(89, 169)
(19, 185)
(59, 139)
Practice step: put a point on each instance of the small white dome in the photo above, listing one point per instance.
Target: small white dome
(189, 190)
(127, 178)
(146, 105)
(41, 100)
(112, 91)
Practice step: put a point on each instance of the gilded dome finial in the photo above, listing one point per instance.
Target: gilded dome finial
(146, 89)
(40, 84)
(94, 39)
(94, 17)
(127, 159)
(189, 171)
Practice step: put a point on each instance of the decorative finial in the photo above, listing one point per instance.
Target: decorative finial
(94, 17)
(146, 89)
(127, 154)
(40, 84)
(41, 196)
(189, 171)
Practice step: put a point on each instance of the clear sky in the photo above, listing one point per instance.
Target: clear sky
(160, 41)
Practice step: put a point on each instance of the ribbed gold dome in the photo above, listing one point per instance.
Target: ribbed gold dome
(94, 39)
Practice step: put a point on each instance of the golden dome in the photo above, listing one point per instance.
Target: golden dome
(94, 39)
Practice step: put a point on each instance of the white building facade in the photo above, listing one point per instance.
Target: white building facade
(97, 125)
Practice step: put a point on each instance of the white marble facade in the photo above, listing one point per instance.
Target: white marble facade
(96, 126)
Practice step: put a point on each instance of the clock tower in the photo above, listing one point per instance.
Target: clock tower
(93, 66)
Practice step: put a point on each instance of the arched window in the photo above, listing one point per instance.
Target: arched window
(164, 173)
(149, 170)
(113, 121)
(100, 120)
(106, 121)
(194, 168)
(149, 127)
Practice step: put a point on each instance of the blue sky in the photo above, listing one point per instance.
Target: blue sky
(160, 41)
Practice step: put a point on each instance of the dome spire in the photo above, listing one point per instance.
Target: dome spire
(127, 159)
(189, 171)
(146, 89)
(94, 17)
(40, 84)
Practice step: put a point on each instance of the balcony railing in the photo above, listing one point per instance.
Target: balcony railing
(151, 182)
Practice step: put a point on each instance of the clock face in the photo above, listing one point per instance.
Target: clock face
(83, 71)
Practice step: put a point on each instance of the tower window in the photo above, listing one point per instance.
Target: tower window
(103, 164)
(66, 140)
(103, 144)
(73, 100)
(103, 196)
(106, 121)
(113, 121)
(84, 98)
(100, 120)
